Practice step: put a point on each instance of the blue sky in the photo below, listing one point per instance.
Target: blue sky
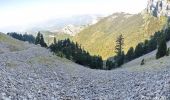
(26, 12)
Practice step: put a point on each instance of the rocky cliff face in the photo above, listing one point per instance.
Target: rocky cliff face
(72, 30)
(159, 7)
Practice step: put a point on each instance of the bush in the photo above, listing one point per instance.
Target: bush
(142, 62)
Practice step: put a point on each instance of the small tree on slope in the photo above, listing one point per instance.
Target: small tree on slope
(40, 40)
(162, 49)
(130, 54)
(119, 58)
(37, 39)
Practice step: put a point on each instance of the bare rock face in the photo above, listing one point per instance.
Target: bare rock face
(159, 7)
(72, 30)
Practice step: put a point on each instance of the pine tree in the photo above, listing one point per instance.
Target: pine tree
(119, 58)
(109, 65)
(146, 47)
(162, 49)
(55, 41)
(130, 54)
(139, 50)
(42, 42)
(74, 52)
(119, 45)
(23, 37)
(38, 38)
(152, 45)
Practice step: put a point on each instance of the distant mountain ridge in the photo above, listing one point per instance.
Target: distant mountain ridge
(69, 25)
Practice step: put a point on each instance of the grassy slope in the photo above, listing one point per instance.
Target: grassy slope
(99, 39)
(13, 44)
(150, 62)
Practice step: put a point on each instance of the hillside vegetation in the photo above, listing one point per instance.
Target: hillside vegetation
(49, 36)
(10, 43)
(34, 72)
(99, 39)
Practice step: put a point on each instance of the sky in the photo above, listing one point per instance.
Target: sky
(26, 12)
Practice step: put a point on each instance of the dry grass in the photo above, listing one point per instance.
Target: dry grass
(13, 44)
(99, 39)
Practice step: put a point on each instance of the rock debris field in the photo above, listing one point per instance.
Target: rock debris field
(34, 73)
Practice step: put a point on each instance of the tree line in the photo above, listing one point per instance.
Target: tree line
(73, 51)
(158, 40)
(39, 39)
(64, 48)
(22, 37)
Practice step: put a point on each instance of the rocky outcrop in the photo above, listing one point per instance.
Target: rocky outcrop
(72, 30)
(159, 7)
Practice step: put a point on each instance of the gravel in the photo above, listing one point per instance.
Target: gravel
(36, 74)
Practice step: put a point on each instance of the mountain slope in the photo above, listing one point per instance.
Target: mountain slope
(99, 39)
(35, 73)
(150, 61)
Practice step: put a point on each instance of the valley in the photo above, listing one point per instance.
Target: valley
(34, 72)
(88, 50)
(100, 38)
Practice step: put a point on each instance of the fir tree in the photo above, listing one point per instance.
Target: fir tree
(24, 37)
(119, 45)
(38, 38)
(152, 45)
(109, 65)
(130, 54)
(55, 41)
(162, 49)
(146, 47)
(76, 53)
(139, 50)
(119, 58)
(42, 42)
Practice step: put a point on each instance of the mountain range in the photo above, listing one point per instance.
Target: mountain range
(68, 25)
(97, 33)
(99, 38)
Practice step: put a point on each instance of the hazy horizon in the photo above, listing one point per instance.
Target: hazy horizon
(17, 13)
